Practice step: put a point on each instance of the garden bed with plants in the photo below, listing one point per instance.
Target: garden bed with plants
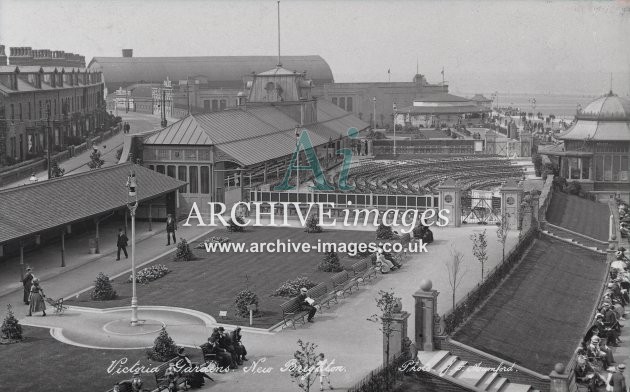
(210, 282)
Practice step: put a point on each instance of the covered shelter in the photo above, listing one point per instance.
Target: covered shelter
(595, 150)
(441, 109)
(222, 155)
(42, 211)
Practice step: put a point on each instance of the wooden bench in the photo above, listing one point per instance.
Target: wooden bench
(321, 295)
(343, 282)
(291, 312)
(161, 380)
(363, 270)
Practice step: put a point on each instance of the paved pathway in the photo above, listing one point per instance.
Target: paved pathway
(343, 332)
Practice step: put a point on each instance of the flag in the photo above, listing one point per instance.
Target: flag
(394, 106)
(389, 71)
(442, 71)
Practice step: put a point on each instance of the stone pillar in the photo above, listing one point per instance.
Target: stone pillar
(511, 197)
(450, 199)
(425, 310)
(397, 325)
(559, 380)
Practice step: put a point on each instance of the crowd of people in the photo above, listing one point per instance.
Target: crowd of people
(227, 348)
(595, 361)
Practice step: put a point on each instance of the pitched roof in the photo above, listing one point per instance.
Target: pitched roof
(227, 71)
(33, 208)
(256, 134)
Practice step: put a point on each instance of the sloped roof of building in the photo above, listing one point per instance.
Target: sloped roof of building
(480, 98)
(30, 209)
(257, 134)
(605, 119)
(226, 71)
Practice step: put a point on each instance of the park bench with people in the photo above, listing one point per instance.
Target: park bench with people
(321, 295)
(343, 283)
(292, 312)
(163, 382)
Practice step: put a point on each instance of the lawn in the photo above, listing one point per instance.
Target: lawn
(55, 366)
(211, 281)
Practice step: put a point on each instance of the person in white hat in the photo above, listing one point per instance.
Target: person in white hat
(306, 304)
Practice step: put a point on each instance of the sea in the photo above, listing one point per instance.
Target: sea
(560, 105)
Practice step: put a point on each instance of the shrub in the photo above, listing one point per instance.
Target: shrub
(243, 300)
(11, 328)
(103, 289)
(149, 274)
(312, 224)
(183, 251)
(574, 188)
(291, 288)
(233, 227)
(164, 348)
(538, 164)
(384, 232)
(213, 239)
(330, 263)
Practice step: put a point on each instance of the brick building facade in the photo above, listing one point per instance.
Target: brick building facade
(42, 93)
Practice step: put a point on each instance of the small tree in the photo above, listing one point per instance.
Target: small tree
(330, 263)
(164, 348)
(103, 289)
(56, 171)
(183, 252)
(11, 328)
(384, 232)
(243, 300)
(304, 362)
(388, 304)
(312, 224)
(480, 249)
(502, 233)
(538, 164)
(455, 271)
(95, 160)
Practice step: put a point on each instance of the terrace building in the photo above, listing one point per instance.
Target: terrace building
(38, 100)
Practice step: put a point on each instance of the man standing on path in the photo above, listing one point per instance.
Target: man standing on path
(121, 243)
(171, 226)
(618, 381)
(27, 282)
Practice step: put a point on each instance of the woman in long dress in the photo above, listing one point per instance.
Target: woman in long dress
(36, 299)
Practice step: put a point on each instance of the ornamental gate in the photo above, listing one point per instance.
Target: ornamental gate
(480, 207)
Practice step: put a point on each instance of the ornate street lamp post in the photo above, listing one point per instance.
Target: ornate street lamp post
(395, 109)
(132, 203)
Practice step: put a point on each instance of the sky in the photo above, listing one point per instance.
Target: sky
(561, 47)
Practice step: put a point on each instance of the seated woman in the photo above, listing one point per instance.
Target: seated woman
(383, 264)
(426, 235)
(211, 350)
(174, 379)
(584, 374)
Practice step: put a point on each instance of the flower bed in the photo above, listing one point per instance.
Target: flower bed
(149, 274)
(213, 239)
(291, 288)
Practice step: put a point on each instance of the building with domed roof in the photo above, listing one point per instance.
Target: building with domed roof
(596, 148)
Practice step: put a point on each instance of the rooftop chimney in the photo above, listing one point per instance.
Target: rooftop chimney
(127, 52)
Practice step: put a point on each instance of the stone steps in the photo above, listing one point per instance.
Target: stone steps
(443, 364)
